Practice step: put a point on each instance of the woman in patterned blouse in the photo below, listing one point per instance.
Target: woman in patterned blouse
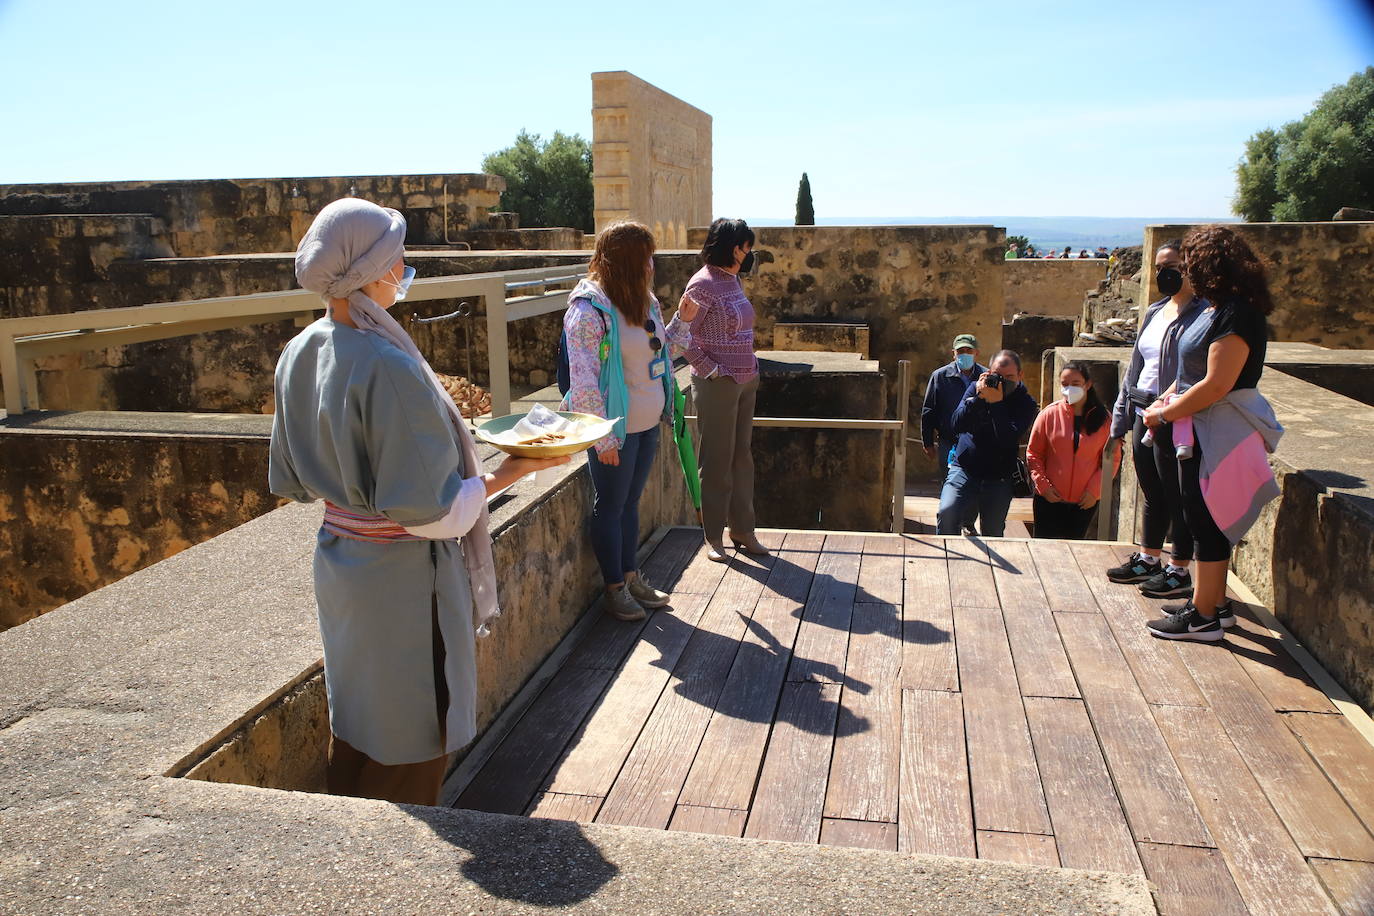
(620, 367)
(725, 381)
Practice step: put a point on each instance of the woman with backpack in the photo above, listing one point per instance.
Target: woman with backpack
(620, 367)
(1064, 457)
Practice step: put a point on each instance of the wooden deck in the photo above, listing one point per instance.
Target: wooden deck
(995, 699)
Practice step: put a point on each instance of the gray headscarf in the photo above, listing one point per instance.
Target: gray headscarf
(350, 244)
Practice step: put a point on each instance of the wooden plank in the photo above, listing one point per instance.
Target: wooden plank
(1089, 825)
(1152, 792)
(517, 769)
(646, 790)
(794, 566)
(1268, 870)
(970, 575)
(596, 753)
(717, 821)
(665, 565)
(880, 573)
(1276, 673)
(1351, 884)
(1154, 662)
(1015, 528)
(1042, 668)
(791, 794)
(1190, 881)
(700, 575)
(1343, 754)
(560, 806)
(861, 834)
(823, 637)
(1022, 848)
(935, 812)
(727, 763)
(864, 767)
(928, 654)
(1319, 819)
(1066, 589)
(1006, 782)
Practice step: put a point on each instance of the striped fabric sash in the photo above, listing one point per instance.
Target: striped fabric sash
(376, 529)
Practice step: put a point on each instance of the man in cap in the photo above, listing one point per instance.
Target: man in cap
(944, 391)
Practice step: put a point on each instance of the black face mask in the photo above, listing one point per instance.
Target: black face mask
(1169, 280)
(747, 265)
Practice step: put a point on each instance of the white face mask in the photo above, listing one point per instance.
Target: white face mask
(1074, 393)
(407, 276)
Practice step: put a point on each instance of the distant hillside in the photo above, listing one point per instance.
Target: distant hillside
(1045, 232)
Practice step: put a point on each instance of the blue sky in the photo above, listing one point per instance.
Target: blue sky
(893, 108)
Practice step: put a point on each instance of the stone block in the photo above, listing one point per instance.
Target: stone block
(824, 336)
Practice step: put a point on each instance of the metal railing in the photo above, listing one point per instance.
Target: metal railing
(25, 340)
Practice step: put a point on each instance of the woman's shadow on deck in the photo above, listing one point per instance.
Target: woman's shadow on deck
(767, 681)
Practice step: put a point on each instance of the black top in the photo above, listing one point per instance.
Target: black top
(1212, 325)
(1248, 324)
(943, 393)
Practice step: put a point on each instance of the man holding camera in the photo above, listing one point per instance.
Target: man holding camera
(995, 412)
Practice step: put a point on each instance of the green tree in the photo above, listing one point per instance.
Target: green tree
(1023, 245)
(548, 183)
(806, 213)
(1310, 168)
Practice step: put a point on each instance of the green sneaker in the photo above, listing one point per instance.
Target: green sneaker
(621, 605)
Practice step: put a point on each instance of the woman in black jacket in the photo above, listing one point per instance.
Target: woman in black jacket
(1155, 357)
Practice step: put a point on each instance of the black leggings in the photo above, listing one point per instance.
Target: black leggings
(1067, 521)
(1156, 469)
(1212, 545)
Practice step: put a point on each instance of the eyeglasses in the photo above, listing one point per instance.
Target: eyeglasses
(654, 343)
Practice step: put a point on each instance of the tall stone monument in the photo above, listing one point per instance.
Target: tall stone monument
(651, 158)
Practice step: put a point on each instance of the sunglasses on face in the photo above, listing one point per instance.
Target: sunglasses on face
(654, 343)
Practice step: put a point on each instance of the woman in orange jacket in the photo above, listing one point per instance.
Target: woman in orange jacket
(1065, 457)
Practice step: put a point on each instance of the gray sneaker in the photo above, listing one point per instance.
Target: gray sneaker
(622, 605)
(645, 593)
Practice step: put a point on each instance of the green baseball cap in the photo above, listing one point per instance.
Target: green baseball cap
(965, 340)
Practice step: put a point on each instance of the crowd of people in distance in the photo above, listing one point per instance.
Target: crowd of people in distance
(1030, 251)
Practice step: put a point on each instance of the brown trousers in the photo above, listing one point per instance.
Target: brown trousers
(351, 772)
(725, 434)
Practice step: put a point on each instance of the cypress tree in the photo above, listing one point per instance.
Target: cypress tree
(806, 213)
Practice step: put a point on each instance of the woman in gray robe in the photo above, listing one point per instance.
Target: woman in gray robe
(404, 576)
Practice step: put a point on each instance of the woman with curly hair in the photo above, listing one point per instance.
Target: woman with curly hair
(619, 368)
(1226, 480)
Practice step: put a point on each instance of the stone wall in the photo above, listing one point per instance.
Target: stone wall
(86, 501)
(1319, 274)
(239, 216)
(651, 157)
(1050, 286)
(830, 337)
(915, 287)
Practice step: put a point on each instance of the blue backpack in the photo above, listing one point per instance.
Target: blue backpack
(564, 370)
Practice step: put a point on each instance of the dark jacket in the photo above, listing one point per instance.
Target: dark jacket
(944, 391)
(990, 434)
(1128, 397)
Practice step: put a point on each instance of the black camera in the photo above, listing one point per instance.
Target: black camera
(993, 380)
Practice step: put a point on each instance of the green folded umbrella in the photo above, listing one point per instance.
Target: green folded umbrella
(686, 453)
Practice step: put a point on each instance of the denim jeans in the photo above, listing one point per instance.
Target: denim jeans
(615, 510)
(964, 496)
